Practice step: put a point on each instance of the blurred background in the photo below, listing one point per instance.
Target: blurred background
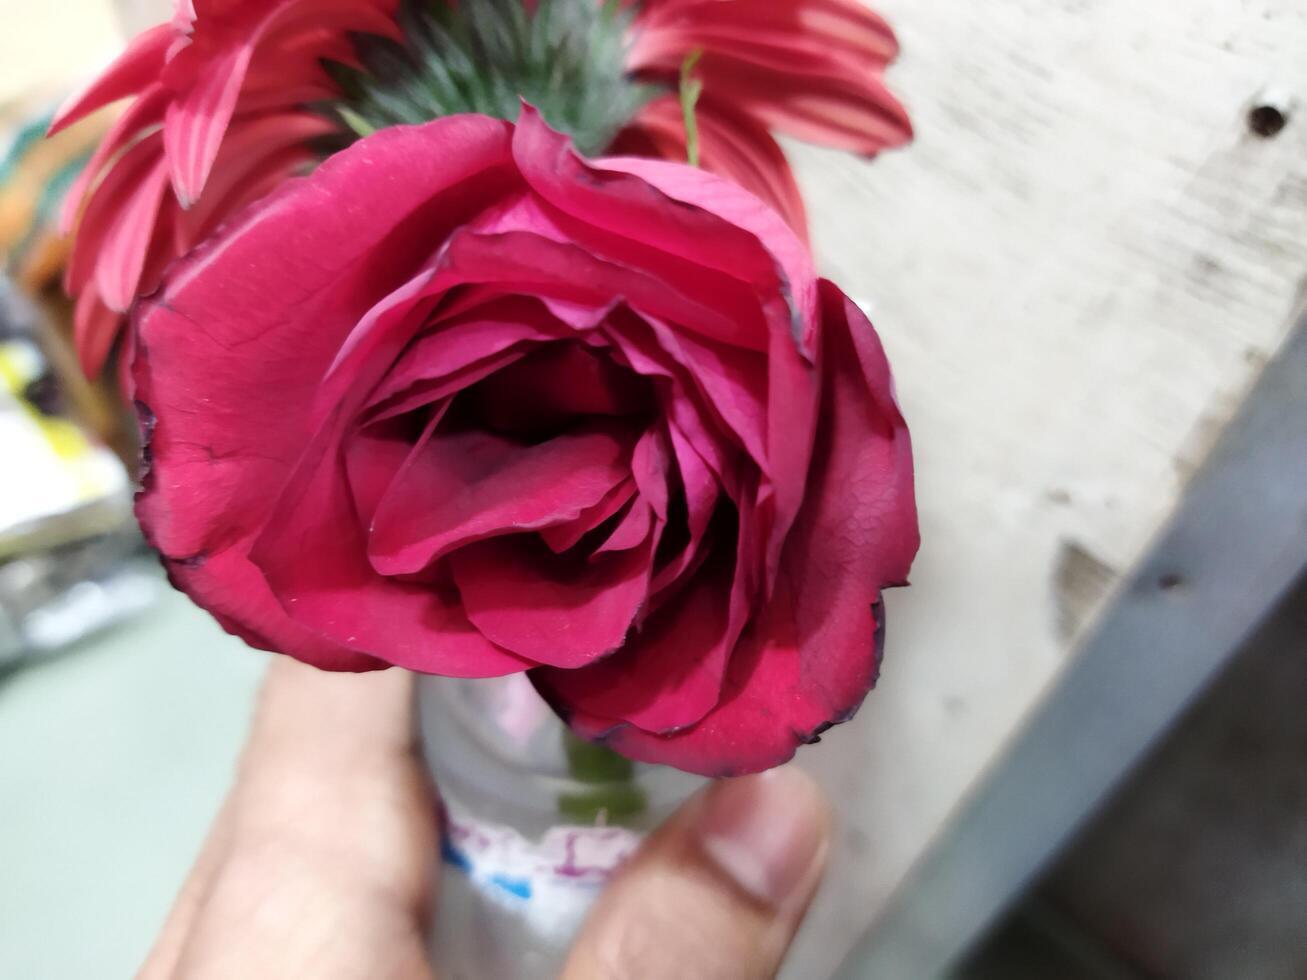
(1088, 754)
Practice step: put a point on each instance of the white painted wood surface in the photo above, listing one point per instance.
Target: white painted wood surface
(1079, 268)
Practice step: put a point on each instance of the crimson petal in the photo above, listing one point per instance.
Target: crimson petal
(551, 608)
(462, 487)
(809, 659)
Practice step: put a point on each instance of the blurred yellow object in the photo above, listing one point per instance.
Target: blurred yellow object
(35, 175)
(21, 367)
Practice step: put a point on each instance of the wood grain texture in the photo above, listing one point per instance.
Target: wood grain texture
(1078, 269)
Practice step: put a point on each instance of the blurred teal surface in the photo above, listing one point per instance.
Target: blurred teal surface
(114, 758)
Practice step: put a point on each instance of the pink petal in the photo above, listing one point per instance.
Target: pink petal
(331, 17)
(746, 212)
(621, 216)
(650, 466)
(809, 660)
(549, 608)
(197, 120)
(862, 116)
(124, 244)
(555, 385)
(373, 456)
(732, 381)
(144, 113)
(104, 210)
(338, 594)
(424, 392)
(463, 487)
(668, 675)
(631, 531)
(253, 319)
(808, 67)
(455, 343)
(253, 156)
(731, 144)
(95, 327)
(137, 67)
(527, 263)
(562, 537)
(213, 583)
(701, 492)
(729, 382)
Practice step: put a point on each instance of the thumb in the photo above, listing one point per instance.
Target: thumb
(717, 891)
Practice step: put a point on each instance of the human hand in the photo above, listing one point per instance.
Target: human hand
(320, 863)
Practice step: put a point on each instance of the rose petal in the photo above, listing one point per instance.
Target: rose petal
(454, 343)
(731, 144)
(624, 218)
(527, 263)
(373, 456)
(561, 537)
(255, 616)
(811, 657)
(462, 487)
(549, 608)
(794, 307)
(790, 412)
(701, 492)
(337, 593)
(248, 324)
(554, 385)
(669, 674)
(632, 530)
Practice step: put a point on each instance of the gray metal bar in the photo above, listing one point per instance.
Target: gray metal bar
(1236, 543)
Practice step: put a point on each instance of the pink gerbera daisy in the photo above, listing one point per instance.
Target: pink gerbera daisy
(218, 119)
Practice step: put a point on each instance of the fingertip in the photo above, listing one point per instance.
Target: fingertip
(768, 833)
(718, 891)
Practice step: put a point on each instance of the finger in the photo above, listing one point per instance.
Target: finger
(333, 765)
(162, 961)
(328, 862)
(718, 891)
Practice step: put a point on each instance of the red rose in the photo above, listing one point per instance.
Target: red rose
(465, 403)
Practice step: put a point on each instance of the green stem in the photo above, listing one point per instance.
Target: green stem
(691, 89)
(611, 794)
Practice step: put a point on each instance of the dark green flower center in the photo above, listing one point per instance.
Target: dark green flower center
(567, 58)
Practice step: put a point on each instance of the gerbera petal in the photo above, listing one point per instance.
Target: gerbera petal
(811, 68)
(131, 72)
(120, 185)
(144, 113)
(731, 144)
(197, 120)
(94, 328)
(127, 240)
